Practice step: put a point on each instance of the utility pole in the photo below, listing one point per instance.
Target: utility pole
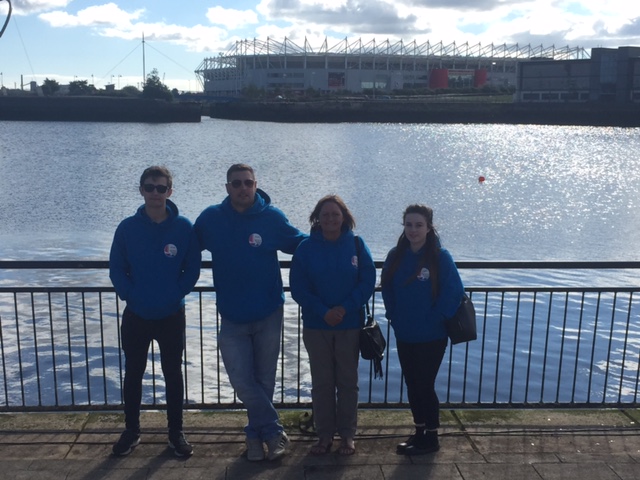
(144, 71)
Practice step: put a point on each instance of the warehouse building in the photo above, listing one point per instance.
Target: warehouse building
(611, 75)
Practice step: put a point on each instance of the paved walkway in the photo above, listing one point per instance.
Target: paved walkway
(487, 445)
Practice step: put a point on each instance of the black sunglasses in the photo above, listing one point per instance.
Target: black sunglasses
(148, 187)
(238, 183)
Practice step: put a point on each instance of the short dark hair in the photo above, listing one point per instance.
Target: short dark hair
(240, 167)
(155, 172)
(347, 217)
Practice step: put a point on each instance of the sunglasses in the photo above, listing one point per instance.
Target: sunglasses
(238, 183)
(147, 187)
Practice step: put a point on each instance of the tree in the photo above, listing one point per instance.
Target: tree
(81, 87)
(154, 88)
(252, 92)
(49, 87)
(129, 91)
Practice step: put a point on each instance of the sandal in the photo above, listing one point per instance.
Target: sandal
(347, 448)
(321, 447)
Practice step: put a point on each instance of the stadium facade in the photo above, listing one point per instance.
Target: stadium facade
(379, 67)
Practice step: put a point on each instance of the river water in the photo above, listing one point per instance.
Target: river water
(549, 192)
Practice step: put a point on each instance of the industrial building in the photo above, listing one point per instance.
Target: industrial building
(379, 67)
(611, 75)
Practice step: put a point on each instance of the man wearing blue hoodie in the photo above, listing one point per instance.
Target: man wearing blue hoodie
(244, 234)
(154, 263)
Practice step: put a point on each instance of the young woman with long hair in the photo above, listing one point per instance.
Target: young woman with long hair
(421, 287)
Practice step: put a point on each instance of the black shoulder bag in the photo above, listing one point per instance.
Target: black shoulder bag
(462, 326)
(372, 342)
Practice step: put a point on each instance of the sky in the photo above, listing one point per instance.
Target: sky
(102, 41)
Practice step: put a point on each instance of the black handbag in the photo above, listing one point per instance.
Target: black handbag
(372, 342)
(462, 326)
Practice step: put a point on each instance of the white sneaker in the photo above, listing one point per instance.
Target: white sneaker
(255, 450)
(277, 446)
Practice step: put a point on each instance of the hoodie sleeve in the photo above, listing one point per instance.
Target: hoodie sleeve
(119, 265)
(451, 287)
(199, 228)
(191, 265)
(301, 285)
(289, 236)
(366, 280)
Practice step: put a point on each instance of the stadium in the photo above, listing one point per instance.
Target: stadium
(382, 68)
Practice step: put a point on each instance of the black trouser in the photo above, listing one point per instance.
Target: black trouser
(137, 334)
(420, 363)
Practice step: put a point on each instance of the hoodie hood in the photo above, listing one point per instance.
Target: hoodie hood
(261, 202)
(172, 208)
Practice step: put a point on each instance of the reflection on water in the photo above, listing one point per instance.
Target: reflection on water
(551, 193)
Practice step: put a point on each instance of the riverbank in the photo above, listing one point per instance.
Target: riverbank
(98, 109)
(506, 444)
(408, 111)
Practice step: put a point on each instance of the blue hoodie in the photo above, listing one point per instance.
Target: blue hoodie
(153, 266)
(326, 274)
(244, 252)
(414, 314)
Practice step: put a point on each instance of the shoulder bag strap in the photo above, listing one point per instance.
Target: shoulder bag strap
(366, 304)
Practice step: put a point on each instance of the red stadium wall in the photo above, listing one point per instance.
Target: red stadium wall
(439, 78)
(479, 77)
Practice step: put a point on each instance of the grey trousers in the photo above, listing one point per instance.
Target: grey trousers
(333, 357)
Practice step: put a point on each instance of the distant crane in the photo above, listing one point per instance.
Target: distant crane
(6, 22)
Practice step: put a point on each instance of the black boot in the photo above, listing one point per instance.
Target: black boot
(426, 443)
(401, 448)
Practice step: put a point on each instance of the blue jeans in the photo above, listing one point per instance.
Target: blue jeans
(250, 354)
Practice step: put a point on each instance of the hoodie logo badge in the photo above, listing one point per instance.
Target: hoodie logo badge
(423, 276)
(255, 240)
(170, 250)
(354, 261)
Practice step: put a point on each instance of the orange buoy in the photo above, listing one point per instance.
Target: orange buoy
(480, 179)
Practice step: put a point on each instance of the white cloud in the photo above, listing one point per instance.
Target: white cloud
(109, 20)
(95, 16)
(26, 7)
(230, 18)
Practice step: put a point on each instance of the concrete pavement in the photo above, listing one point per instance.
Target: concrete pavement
(475, 444)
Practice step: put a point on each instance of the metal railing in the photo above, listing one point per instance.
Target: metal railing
(564, 346)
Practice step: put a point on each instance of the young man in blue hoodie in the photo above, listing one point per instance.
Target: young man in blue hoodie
(244, 234)
(154, 263)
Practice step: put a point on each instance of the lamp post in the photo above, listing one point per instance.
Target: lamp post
(1, 80)
(119, 81)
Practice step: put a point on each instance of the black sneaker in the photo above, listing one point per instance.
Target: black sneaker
(128, 440)
(428, 443)
(180, 446)
(401, 448)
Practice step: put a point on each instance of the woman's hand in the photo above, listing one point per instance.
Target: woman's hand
(334, 316)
